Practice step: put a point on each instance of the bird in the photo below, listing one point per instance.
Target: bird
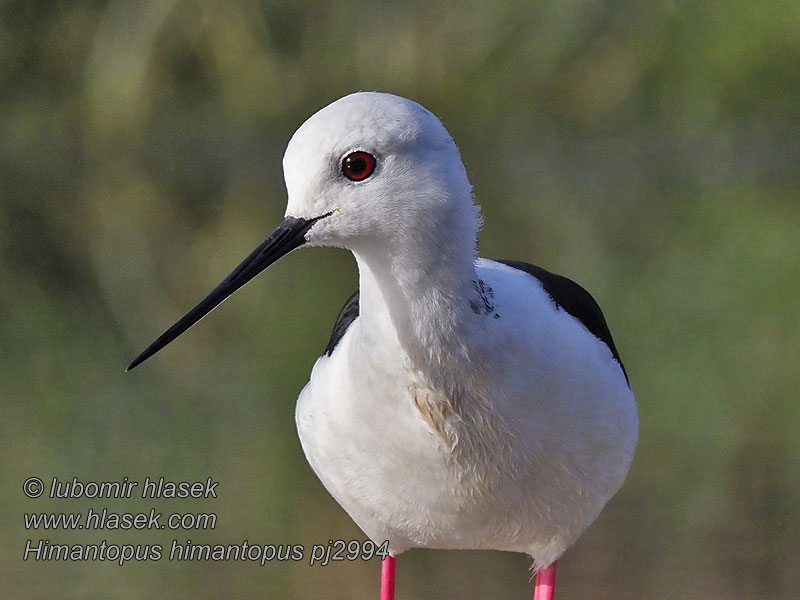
(461, 402)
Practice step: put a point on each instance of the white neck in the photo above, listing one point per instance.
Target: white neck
(424, 293)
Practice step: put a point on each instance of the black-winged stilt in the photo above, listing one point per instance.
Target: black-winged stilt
(461, 402)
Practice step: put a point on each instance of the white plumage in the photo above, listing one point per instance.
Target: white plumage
(515, 443)
(469, 404)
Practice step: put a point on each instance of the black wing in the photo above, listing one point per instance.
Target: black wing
(570, 296)
(347, 315)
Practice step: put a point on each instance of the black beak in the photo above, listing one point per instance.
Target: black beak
(287, 236)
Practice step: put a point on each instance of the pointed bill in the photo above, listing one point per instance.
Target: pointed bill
(290, 234)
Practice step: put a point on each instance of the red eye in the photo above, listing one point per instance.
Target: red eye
(357, 166)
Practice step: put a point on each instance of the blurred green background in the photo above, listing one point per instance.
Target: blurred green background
(649, 150)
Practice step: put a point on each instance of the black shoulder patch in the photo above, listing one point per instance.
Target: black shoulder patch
(347, 315)
(570, 296)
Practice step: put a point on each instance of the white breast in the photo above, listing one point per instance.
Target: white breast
(524, 462)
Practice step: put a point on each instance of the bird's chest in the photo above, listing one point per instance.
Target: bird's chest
(374, 433)
(362, 421)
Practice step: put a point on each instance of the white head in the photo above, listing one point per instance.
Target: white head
(374, 173)
(418, 188)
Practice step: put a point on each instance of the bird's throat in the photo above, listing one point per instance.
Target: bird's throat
(426, 305)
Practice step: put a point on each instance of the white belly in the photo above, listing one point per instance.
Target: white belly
(529, 481)
(377, 457)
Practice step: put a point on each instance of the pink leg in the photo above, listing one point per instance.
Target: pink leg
(545, 587)
(387, 578)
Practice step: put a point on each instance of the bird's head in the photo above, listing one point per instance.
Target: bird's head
(369, 171)
(377, 168)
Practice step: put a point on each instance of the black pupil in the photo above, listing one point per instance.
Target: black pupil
(356, 164)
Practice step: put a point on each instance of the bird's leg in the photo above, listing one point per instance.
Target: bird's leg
(545, 587)
(387, 578)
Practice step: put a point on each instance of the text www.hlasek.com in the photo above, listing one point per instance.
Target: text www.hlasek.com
(105, 519)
